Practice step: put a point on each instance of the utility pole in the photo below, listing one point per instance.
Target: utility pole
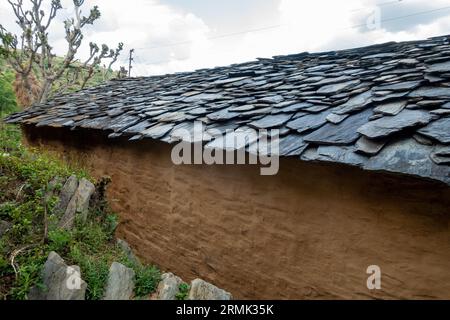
(130, 62)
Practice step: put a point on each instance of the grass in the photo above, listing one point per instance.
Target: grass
(25, 201)
(183, 292)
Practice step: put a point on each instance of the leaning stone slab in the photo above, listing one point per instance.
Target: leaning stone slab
(168, 287)
(389, 125)
(51, 187)
(120, 283)
(202, 290)
(368, 146)
(66, 194)
(441, 156)
(61, 282)
(122, 244)
(438, 130)
(79, 204)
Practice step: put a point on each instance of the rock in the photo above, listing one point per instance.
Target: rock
(271, 121)
(369, 147)
(246, 107)
(200, 111)
(432, 78)
(120, 284)
(438, 130)
(61, 282)
(316, 108)
(336, 118)
(330, 80)
(422, 139)
(168, 287)
(441, 156)
(158, 131)
(408, 62)
(271, 99)
(202, 290)
(440, 67)
(388, 125)
(380, 56)
(308, 122)
(336, 88)
(292, 145)
(355, 103)
(67, 192)
(323, 67)
(389, 96)
(410, 157)
(341, 154)
(401, 86)
(431, 92)
(122, 244)
(391, 108)
(342, 133)
(222, 115)
(430, 103)
(51, 188)
(5, 226)
(79, 204)
(441, 112)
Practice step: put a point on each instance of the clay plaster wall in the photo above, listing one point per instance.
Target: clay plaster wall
(309, 232)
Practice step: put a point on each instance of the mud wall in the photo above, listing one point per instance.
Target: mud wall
(309, 232)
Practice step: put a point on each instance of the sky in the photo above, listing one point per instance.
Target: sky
(183, 35)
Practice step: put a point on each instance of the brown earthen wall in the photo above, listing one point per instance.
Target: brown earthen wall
(309, 232)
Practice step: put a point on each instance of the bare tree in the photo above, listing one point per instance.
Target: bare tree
(30, 52)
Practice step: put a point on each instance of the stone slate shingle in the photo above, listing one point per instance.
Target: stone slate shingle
(382, 107)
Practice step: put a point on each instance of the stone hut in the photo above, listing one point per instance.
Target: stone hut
(363, 179)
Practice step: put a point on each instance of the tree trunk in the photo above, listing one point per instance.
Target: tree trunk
(47, 86)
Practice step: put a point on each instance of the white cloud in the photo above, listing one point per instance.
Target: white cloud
(148, 23)
(331, 25)
(300, 26)
(320, 25)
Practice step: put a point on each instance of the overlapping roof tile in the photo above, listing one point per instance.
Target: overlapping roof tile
(383, 107)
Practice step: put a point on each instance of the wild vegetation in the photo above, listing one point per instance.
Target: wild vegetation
(26, 203)
(30, 72)
(39, 73)
(7, 97)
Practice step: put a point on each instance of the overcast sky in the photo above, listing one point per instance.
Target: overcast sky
(181, 35)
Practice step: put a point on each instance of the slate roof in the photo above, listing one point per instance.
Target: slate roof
(382, 107)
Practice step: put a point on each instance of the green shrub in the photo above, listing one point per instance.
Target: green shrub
(4, 263)
(147, 279)
(183, 291)
(7, 98)
(29, 276)
(94, 270)
(59, 240)
(24, 201)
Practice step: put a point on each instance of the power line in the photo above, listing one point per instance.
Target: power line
(212, 38)
(138, 65)
(405, 16)
(169, 45)
(383, 4)
(352, 27)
